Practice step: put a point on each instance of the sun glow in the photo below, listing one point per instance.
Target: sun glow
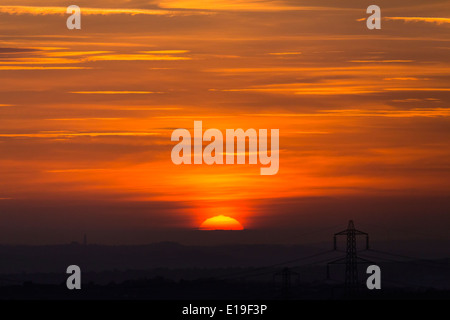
(221, 223)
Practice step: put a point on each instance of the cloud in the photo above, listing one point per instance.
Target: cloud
(114, 92)
(417, 100)
(79, 170)
(194, 117)
(136, 57)
(38, 61)
(417, 112)
(16, 50)
(242, 5)
(381, 61)
(147, 108)
(417, 89)
(165, 51)
(32, 10)
(311, 132)
(284, 53)
(406, 79)
(73, 53)
(75, 134)
(435, 20)
(77, 57)
(40, 68)
(308, 89)
(239, 70)
(83, 119)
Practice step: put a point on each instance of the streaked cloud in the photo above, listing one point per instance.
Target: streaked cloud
(310, 132)
(165, 51)
(136, 57)
(417, 89)
(75, 134)
(243, 5)
(294, 69)
(114, 92)
(73, 53)
(33, 10)
(147, 108)
(417, 100)
(284, 53)
(84, 119)
(48, 48)
(194, 117)
(434, 20)
(92, 170)
(41, 68)
(27, 61)
(405, 79)
(417, 112)
(309, 89)
(381, 61)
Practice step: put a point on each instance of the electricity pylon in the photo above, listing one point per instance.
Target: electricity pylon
(286, 275)
(351, 259)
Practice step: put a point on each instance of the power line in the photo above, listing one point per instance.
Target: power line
(409, 257)
(414, 263)
(275, 265)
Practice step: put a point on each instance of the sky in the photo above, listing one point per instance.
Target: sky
(86, 116)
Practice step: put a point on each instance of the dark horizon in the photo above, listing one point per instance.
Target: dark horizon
(291, 220)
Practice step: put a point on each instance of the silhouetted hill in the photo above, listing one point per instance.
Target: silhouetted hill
(169, 270)
(56, 258)
(107, 265)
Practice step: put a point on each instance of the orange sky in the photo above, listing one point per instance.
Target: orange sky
(87, 114)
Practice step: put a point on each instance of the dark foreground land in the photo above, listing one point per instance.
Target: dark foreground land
(163, 289)
(169, 271)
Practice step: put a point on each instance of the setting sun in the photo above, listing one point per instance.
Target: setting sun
(221, 223)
